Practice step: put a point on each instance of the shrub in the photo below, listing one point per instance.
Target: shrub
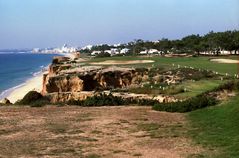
(110, 100)
(103, 54)
(198, 102)
(231, 85)
(33, 98)
(188, 105)
(193, 74)
(149, 102)
(30, 97)
(40, 103)
(99, 100)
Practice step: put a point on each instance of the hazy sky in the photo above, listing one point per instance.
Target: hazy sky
(49, 23)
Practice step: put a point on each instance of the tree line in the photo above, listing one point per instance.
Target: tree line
(213, 42)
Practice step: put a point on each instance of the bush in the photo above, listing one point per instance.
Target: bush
(231, 85)
(40, 103)
(33, 98)
(191, 104)
(30, 97)
(198, 102)
(103, 54)
(110, 100)
(99, 100)
(149, 102)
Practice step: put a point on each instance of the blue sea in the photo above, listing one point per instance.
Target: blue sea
(17, 68)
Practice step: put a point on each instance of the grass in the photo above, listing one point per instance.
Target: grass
(96, 132)
(137, 154)
(148, 126)
(199, 62)
(93, 156)
(155, 130)
(57, 128)
(194, 88)
(196, 62)
(216, 128)
(118, 151)
(87, 139)
(84, 117)
(184, 90)
(155, 90)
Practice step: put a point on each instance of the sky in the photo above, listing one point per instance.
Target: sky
(51, 23)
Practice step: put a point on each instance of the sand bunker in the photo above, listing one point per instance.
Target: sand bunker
(120, 62)
(226, 61)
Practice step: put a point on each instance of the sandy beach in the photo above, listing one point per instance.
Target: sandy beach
(34, 83)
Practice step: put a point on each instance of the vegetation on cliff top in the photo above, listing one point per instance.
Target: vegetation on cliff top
(203, 100)
(212, 42)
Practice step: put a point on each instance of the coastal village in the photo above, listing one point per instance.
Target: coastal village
(115, 51)
(71, 74)
(119, 79)
(119, 101)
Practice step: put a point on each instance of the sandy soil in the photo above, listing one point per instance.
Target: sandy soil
(34, 83)
(226, 61)
(118, 62)
(120, 132)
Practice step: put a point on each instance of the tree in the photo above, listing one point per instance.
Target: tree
(165, 45)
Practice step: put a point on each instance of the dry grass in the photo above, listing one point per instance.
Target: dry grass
(93, 132)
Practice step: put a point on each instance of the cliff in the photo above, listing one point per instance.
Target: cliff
(90, 78)
(69, 79)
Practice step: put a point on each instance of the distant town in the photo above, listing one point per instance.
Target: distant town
(220, 43)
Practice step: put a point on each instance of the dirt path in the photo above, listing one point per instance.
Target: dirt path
(93, 132)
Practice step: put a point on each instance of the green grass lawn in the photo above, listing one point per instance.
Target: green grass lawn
(217, 129)
(196, 62)
(194, 88)
(214, 128)
(199, 62)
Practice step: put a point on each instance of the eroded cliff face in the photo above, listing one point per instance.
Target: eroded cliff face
(69, 79)
(65, 75)
(91, 80)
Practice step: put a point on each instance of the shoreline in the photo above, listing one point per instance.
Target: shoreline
(34, 83)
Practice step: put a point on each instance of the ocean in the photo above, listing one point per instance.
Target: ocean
(17, 68)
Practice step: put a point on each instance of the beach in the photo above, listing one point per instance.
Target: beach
(28, 69)
(34, 83)
(21, 72)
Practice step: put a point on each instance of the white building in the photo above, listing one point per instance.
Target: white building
(153, 51)
(63, 49)
(36, 50)
(94, 53)
(150, 51)
(124, 51)
(225, 52)
(107, 51)
(66, 49)
(87, 47)
(114, 51)
(143, 52)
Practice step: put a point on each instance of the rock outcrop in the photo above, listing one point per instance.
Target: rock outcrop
(68, 79)
(67, 96)
(89, 79)
(5, 101)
